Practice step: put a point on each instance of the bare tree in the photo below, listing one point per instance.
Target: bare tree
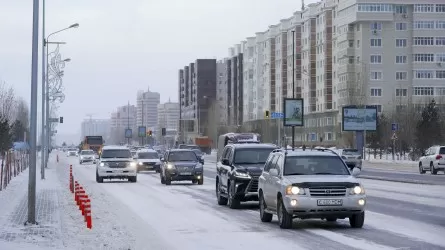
(7, 102)
(22, 112)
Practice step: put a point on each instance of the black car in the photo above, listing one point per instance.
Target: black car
(181, 165)
(238, 170)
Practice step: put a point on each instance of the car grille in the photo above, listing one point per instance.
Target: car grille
(117, 164)
(185, 169)
(327, 191)
(253, 185)
(149, 163)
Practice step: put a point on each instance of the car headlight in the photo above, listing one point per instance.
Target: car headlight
(140, 163)
(170, 166)
(102, 164)
(294, 190)
(241, 174)
(357, 190)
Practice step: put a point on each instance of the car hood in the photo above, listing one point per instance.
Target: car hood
(148, 160)
(320, 179)
(87, 156)
(184, 163)
(116, 160)
(252, 169)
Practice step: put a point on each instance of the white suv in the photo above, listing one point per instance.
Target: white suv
(310, 184)
(433, 160)
(116, 162)
(148, 159)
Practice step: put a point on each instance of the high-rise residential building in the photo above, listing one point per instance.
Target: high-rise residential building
(197, 86)
(147, 109)
(235, 85)
(221, 92)
(123, 118)
(168, 118)
(91, 127)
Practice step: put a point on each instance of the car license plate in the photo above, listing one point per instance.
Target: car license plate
(330, 202)
(185, 173)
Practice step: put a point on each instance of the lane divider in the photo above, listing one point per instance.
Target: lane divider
(81, 199)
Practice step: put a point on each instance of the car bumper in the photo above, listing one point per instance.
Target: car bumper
(148, 167)
(87, 160)
(246, 189)
(307, 207)
(184, 176)
(116, 172)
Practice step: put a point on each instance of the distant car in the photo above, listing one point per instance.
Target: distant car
(87, 156)
(71, 152)
(352, 157)
(148, 159)
(181, 165)
(116, 162)
(433, 160)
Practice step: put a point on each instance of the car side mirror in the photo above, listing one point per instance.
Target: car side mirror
(273, 172)
(162, 159)
(201, 160)
(355, 172)
(225, 162)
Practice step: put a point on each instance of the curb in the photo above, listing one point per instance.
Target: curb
(397, 180)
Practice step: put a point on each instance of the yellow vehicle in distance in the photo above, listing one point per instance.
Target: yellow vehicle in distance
(94, 143)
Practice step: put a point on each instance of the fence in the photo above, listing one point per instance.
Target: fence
(12, 164)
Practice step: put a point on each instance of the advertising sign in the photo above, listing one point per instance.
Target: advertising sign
(128, 133)
(359, 119)
(142, 131)
(293, 112)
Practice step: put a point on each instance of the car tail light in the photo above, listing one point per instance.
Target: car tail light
(438, 157)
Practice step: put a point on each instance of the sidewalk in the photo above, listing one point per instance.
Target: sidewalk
(50, 233)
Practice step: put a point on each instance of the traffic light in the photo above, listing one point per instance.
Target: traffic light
(61, 119)
(150, 133)
(266, 114)
(164, 131)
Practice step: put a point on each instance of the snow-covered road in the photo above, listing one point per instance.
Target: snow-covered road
(149, 215)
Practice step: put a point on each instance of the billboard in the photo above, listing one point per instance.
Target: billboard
(293, 112)
(142, 131)
(128, 133)
(359, 119)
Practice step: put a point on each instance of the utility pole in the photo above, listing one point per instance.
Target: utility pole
(293, 83)
(33, 122)
(142, 104)
(42, 139)
(128, 120)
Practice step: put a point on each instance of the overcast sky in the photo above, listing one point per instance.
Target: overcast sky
(124, 46)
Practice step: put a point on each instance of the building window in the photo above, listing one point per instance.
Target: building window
(424, 74)
(376, 59)
(401, 9)
(440, 8)
(374, 7)
(440, 74)
(423, 91)
(376, 92)
(401, 76)
(376, 75)
(379, 108)
(376, 26)
(423, 57)
(423, 8)
(376, 42)
(440, 58)
(424, 41)
(440, 41)
(440, 25)
(401, 43)
(401, 26)
(358, 44)
(401, 92)
(401, 59)
(423, 25)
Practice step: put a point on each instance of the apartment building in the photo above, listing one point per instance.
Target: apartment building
(123, 118)
(91, 127)
(235, 86)
(147, 109)
(168, 118)
(197, 89)
(221, 92)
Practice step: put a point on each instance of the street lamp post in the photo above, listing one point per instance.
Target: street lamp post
(48, 127)
(293, 84)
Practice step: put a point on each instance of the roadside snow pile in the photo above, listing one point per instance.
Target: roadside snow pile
(387, 158)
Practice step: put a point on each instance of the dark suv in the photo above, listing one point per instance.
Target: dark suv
(238, 170)
(181, 165)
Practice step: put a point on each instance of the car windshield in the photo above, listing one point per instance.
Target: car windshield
(314, 165)
(116, 153)
(252, 155)
(197, 152)
(148, 155)
(182, 156)
(87, 152)
(350, 152)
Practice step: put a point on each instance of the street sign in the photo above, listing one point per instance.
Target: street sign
(394, 126)
(277, 115)
(394, 137)
(53, 119)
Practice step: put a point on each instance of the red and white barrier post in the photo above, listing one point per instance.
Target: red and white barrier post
(87, 209)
